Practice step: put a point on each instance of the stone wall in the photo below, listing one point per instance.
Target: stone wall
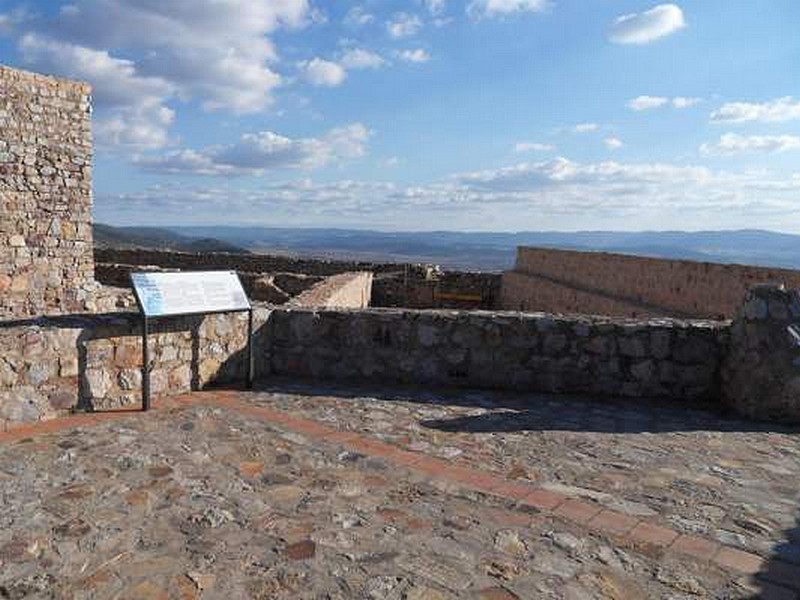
(394, 285)
(46, 264)
(761, 370)
(534, 352)
(256, 263)
(615, 284)
(51, 366)
(527, 293)
(276, 288)
(348, 290)
(448, 289)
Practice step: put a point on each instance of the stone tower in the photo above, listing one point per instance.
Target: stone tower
(46, 262)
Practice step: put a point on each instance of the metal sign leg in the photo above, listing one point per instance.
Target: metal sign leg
(250, 370)
(145, 367)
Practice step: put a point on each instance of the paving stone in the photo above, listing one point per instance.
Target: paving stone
(238, 507)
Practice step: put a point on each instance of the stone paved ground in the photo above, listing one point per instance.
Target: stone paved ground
(731, 480)
(211, 498)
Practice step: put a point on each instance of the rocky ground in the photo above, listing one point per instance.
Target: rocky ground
(205, 501)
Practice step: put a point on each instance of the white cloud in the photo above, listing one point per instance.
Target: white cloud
(556, 193)
(359, 58)
(532, 147)
(683, 102)
(773, 111)
(417, 55)
(561, 171)
(403, 25)
(328, 73)
(641, 103)
(9, 21)
(613, 143)
(216, 50)
(648, 26)
(435, 7)
(259, 153)
(585, 127)
(647, 102)
(358, 17)
(323, 73)
(478, 9)
(732, 143)
(132, 108)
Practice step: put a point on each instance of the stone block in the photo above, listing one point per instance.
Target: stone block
(180, 379)
(98, 383)
(19, 405)
(63, 399)
(632, 346)
(128, 356)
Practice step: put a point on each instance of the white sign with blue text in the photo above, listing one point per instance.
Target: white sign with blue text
(166, 294)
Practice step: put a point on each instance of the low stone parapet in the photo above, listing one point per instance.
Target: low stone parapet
(55, 365)
(663, 358)
(52, 366)
(348, 290)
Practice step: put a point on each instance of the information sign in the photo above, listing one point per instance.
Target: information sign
(171, 294)
(192, 293)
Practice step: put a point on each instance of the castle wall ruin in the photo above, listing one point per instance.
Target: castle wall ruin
(51, 365)
(394, 284)
(566, 281)
(46, 262)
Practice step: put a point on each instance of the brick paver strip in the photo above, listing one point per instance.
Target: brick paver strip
(578, 510)
(607, 521)
(694, 546)
(613, 523)
(654, 535)
(738, 560)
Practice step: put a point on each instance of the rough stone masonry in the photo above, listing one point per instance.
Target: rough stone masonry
(46, 263)
(53, 364)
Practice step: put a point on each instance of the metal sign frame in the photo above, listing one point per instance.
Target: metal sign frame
(146, 329)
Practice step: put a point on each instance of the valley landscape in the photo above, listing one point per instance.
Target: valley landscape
(472, 251)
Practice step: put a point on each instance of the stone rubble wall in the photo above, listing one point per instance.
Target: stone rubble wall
(448, 289)
(276, 288)
(535, 352)
(394, 285)
(255, 263)
(46, 263)
(348, 290)
(761, 370)
(615, 284)
(52, 366)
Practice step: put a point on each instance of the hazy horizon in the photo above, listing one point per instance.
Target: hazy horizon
(173, 226)
(465, 250)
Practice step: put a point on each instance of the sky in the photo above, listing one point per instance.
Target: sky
(483, 115)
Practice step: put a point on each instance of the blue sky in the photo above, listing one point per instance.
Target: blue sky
(432, 114)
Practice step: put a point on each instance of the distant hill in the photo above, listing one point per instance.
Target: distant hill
(479, 251)
(106, 236)
(496, 251)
